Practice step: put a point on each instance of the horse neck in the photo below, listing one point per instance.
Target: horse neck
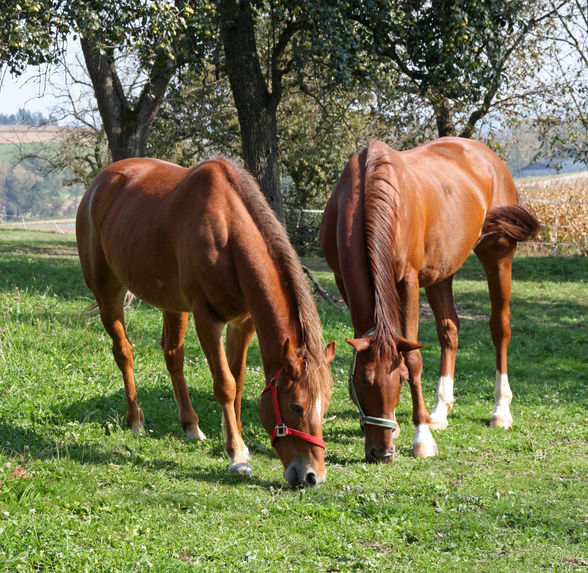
(274, 311)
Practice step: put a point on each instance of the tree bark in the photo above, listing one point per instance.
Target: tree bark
(126, 127)
(256, 105)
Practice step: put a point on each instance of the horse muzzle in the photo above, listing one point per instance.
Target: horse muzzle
(300, 474)
(375, 454)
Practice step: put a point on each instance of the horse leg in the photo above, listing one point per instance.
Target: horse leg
(341, 286)
(110, 303)
(496, 258)
(440, 297)
(209, 329)
(423, 445)
(172, 343)
(238, 337)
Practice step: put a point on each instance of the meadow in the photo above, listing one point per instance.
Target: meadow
(79, 492)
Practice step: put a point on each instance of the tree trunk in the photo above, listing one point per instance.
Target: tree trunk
(443, 115)
(126, 127)
(256, 106)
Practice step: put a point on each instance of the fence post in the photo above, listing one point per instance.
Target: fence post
(299, 218)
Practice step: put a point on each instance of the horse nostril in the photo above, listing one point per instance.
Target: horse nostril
(310, 479)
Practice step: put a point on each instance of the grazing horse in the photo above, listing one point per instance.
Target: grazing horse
(204, 240)
(395, 222)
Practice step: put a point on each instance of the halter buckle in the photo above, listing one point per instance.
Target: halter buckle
(281, 431)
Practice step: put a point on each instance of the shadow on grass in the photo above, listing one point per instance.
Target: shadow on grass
(528, 268)
(49, 440)
(61, 275)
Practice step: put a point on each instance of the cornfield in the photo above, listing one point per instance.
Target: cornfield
(561, 206)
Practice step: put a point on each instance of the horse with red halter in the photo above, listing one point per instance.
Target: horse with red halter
(395, 222)
(204, 240)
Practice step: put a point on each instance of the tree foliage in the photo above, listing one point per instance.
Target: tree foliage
(296, 86)
(461, 59)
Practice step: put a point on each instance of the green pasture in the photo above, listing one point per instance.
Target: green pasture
(79, 492)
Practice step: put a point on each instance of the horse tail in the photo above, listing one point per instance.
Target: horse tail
(512, 221)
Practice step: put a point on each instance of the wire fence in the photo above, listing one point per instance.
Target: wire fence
(563, 225)
(60, 225)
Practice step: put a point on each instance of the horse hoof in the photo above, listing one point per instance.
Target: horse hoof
(424, 445)
(501, 421)
(438, 423)
(241, 469)
(424, 450)
(138, 429)
(195, 433)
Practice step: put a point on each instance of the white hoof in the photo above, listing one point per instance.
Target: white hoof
(501, 418)
(438, 420)
(424, 445)
(195, 433)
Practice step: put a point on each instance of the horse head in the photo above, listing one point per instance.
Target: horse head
(375, 380)
(291, 410)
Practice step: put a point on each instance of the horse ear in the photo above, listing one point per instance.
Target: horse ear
(330, 352)
(404, 345)
(291, 361)
(359, 343)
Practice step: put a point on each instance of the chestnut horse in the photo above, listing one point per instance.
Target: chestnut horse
(395, 222)
(204, 240)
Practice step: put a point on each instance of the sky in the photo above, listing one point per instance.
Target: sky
(26, 92)
(33, 90)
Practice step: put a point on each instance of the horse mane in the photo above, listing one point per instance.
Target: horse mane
(290, 267)
(381, 214)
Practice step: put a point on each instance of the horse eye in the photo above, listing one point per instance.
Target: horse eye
(296, 408)
(365, 380)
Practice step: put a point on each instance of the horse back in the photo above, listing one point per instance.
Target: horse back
(162, 230)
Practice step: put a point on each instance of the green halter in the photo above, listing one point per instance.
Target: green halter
(363, 419)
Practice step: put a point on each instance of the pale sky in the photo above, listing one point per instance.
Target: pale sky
(26, 92)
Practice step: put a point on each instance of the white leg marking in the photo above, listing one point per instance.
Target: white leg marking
(443, 403)
(501, 417)
(424, 445)
(239, 463)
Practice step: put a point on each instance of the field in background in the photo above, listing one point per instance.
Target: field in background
(561, 205)
(79, 492)
(18, 134)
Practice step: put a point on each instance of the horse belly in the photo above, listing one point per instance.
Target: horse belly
(444, 252)
(147, 268)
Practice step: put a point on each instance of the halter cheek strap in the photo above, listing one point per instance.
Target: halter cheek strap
(363, 419)
(281, 430)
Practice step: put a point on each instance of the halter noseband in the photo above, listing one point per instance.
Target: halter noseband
(363, 419)
(281, 430)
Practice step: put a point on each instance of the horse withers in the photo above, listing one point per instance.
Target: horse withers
(204, 240)
(395, 222)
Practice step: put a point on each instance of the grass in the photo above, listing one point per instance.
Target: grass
(78, 492)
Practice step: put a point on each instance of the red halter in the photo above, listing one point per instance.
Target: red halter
(281, 429)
